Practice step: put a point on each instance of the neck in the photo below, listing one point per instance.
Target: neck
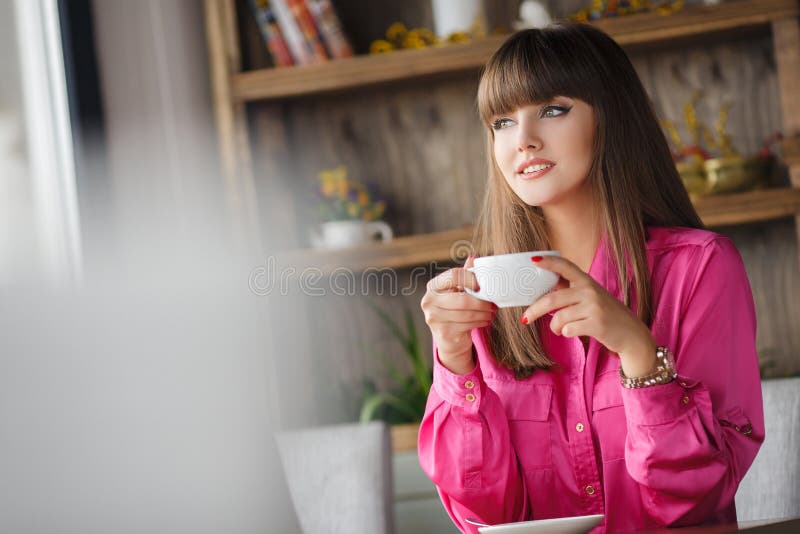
(574, 230)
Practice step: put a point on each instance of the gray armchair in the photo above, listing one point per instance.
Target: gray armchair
(340, 477)
(771, 488)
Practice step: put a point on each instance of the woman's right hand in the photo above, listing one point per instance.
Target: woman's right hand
(450, 313)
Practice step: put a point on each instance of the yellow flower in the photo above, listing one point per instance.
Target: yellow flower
(413, 41)
(352, 209)
(426, 35)
(327, 189)
(339, 174)
(363, 198)
(380, 47)
(459, 37)
(380, 207)
(396, 31)
(342, 188)
(581, 16)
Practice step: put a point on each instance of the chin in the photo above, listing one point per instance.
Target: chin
(540, 198)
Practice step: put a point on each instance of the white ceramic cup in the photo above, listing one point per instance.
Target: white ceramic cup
(512, 279)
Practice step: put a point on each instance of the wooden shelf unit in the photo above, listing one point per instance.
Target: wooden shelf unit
(359, 71)
(448, 247)
(233, 88)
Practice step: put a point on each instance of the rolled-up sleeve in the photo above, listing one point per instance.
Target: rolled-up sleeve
(690, 442)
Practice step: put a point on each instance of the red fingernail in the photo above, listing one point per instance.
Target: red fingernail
(494, 306)
(536, 258)
(524, 320)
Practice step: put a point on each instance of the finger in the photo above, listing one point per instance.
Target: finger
(567, 316)
(437, 314)
(463, 301)
(562, 267)
(455, 279)
(453, 334)
(552, 301)
(582, 327)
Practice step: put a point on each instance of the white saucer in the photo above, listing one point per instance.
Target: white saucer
(561, 525)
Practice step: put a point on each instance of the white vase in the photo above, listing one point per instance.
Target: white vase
(450, 16)
(343, 234)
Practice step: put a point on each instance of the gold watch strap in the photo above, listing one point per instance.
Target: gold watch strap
(664, 373)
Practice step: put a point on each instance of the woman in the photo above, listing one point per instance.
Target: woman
(632, 390)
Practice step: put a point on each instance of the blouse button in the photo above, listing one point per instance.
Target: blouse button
(469, 384)
(589, 490)
(685, 399)
(470, 397)
(579, 427)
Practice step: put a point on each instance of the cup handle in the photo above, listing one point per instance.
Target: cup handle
(476, 294)
(383, 229)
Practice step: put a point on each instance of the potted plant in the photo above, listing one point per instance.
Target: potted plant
(403, 405)
(349, 212)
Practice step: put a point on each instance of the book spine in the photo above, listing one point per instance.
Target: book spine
(291, 31)
(330, 28)
(271, 33)
(306, 23)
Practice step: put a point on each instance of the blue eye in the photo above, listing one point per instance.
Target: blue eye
(553, 111)
(499, 123)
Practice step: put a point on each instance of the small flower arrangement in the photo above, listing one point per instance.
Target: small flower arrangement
(345, 200)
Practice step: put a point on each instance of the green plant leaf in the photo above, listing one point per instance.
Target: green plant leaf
(420, 366)
(407, 401)
(389, 322)
(376, 401)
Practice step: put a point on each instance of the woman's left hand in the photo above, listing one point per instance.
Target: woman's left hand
(585, 308)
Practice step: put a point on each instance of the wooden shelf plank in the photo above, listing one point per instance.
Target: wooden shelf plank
(696, 20)
(442, 247)
(358, 71)
(752, 206)
(452, 246)
(349, 73)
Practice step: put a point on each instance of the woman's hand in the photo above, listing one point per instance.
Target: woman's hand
(585, 308)
(450, 313)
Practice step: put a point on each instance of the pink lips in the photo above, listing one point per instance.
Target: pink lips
(537, 174)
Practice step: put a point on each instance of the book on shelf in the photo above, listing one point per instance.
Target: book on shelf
(330, 28)
(271, 33)
(301, 34)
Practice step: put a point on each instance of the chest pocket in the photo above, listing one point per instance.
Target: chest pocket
(608, 416)
(527, 407)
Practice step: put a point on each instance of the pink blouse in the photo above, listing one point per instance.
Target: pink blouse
(572, 441)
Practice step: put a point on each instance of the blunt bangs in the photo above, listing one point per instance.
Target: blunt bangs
(533, 66)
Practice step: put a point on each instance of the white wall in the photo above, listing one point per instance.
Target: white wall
(19, 255)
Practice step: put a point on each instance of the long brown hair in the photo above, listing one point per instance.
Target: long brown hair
(632, 176)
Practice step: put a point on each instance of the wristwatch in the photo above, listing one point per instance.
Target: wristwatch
(664, 373)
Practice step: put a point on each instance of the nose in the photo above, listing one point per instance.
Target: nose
(528, 137)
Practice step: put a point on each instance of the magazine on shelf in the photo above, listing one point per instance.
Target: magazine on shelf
(271, 33)
(301, 34)
(330, 28)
